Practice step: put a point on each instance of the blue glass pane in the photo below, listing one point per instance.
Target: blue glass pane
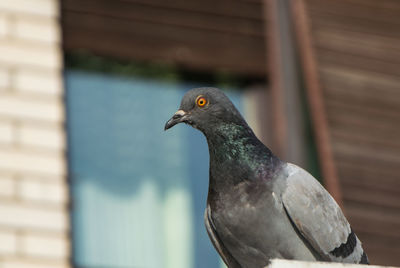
(138, 192)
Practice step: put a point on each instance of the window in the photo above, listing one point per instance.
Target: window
(138, 193)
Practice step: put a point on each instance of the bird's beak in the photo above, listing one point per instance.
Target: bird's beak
(177, 118)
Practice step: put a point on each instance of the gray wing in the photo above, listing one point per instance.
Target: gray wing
(319, 218)
(219, 246)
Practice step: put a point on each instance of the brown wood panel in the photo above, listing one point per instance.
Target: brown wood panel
(388, 177)
(161, 15)
(357, 44)
(382, 49)
(347, 60)
(351, 25)
(377, 13)
(160, 50)
(363, 139)
(221, 7)
(367, 113)
(363, 84)
(221, 35)
(371, 217)
(361, 159)
(140, 29)
(355, 149)
(375, 198)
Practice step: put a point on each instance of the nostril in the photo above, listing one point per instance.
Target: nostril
(176, 116)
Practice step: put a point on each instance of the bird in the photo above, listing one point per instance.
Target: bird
(260, 207)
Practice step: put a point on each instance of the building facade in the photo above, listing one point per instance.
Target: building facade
(347, 50)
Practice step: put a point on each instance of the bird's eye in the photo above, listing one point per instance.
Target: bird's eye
(201, 101)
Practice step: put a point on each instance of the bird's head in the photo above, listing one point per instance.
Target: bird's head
(205, 109)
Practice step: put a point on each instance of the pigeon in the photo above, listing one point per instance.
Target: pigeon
(258, 206)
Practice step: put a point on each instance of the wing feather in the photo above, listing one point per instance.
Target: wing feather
(319, 218)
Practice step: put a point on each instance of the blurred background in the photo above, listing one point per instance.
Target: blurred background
(88, 177)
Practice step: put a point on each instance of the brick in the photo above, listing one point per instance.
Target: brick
(42, 191)
(38, 109)
(5, 79)
(7, 186)
(17, 160)
(45, 30)
(55, 247)
(25, 54)
(4, 26)
(49, 83)
(6, 132)
(32, 217)
(52, 138)
(8, 242)
(21, 263)
(48, 8)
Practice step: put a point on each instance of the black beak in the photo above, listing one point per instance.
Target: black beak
(177, 118)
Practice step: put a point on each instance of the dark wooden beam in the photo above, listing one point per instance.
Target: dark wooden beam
(286, 86)
(315, 99)
(274, 63)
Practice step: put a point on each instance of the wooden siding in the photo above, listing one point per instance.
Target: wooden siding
(205, 35)
(357, 48)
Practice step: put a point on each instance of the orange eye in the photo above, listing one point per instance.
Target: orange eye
(201, 101)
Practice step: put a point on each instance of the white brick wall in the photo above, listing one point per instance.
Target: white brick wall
(37, 190)
(49, 247)
(8, 245)
(44, 8)
(41, 137)
(31, 162)
(34, 220)
(33, 217)
(36, 29)
(24, 107)
(6, 132)
(7, 187)
(18, 53)
(4, 78)
(31, 81)
(4, 26)
(31, 263)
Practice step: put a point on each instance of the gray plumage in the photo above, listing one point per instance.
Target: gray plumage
(260, 207)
